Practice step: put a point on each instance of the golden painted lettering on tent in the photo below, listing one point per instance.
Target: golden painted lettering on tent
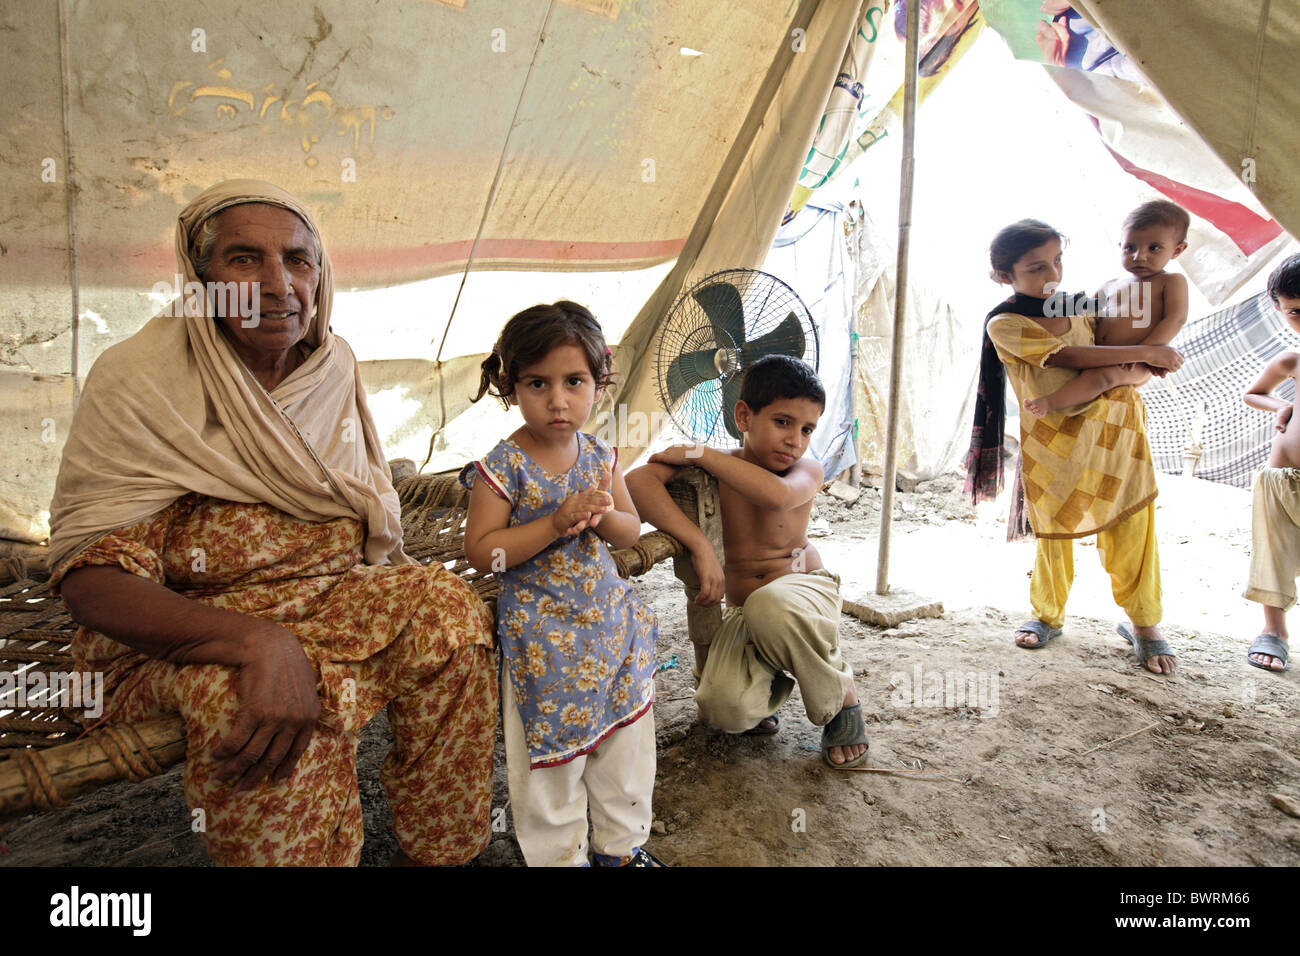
(306, 118)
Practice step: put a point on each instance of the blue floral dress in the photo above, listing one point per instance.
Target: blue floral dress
(578, 642)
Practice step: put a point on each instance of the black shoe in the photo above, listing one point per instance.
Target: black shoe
(638, 857)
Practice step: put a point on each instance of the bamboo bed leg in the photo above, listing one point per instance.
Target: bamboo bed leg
(701, 622)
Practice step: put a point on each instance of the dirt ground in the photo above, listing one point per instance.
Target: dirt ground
(1069, 755)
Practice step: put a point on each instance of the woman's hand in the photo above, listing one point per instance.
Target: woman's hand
(274, 681)
(278, 709)
(1283, 418)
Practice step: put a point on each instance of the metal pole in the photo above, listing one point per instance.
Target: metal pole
(900, 291)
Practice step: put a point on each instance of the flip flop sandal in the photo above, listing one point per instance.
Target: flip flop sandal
(758, 730)
(1145, 648)
(845, 729)
(1273, 646)
(1042, 631)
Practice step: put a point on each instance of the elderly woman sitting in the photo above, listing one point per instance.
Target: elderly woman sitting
(226, 532)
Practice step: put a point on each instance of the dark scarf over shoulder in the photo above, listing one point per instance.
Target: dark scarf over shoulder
(983, 461)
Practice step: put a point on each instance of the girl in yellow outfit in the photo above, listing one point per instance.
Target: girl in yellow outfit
(1086, 469)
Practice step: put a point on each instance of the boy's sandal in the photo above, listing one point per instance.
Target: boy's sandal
(758, 730)
(845, 729)
(1145, 648)
(638, 857)
(1040, 630)
(1273, 646)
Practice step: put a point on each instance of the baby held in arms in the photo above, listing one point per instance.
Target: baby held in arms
(1146, 307)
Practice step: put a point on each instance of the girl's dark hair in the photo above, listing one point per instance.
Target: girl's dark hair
(531, 334)
(1016, 239)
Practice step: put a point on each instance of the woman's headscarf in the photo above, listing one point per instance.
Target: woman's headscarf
(174, 410)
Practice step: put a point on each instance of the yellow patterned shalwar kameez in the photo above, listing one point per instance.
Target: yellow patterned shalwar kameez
(1085, 470)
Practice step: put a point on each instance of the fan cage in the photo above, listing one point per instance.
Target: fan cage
(766, 302)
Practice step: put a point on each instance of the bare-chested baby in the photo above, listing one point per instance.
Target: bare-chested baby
(783, 606)
(1146, 307)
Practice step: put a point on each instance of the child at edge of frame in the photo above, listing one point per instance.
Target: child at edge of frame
(1275, 490)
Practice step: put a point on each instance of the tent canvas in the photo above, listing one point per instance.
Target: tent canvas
(548, 170)
(599, 148)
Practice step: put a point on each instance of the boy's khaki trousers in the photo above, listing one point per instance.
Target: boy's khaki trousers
(790, 625)
(1275, 538)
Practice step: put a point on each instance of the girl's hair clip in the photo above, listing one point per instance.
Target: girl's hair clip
(608, 353)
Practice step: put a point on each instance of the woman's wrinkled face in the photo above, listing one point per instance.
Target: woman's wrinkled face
(272, 247)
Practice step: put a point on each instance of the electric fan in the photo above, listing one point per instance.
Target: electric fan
(717, 329)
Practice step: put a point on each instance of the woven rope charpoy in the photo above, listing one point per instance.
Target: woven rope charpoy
(36, 630)
(130, 758)
(40, 785)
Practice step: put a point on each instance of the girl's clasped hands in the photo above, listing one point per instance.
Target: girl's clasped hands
(584, 509)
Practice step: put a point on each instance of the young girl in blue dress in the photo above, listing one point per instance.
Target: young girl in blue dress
(546, 506)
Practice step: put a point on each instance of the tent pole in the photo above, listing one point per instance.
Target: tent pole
(70, 191)
(900, 291)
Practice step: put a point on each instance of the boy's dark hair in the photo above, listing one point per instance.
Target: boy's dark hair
(1015, 240)
(1285, 279)
(1159, 212)
(531, 334)
(774, 377)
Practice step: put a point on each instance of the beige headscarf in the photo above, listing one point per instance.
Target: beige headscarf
(174, 410)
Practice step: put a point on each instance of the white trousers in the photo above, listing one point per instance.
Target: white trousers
(549, 805)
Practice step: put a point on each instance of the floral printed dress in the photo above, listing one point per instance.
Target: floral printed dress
(578, 643)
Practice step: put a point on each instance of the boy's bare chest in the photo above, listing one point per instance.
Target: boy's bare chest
(1285, 452)
(751, 532)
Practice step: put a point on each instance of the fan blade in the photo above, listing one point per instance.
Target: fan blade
(731, 395)
(721, 303)
(688, 370)
(786, 339)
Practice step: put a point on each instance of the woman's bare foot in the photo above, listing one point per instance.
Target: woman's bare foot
(839, 755)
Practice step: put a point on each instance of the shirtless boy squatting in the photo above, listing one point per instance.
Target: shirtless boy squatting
(1275, 521)
(1147, 309)
(783, 606)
